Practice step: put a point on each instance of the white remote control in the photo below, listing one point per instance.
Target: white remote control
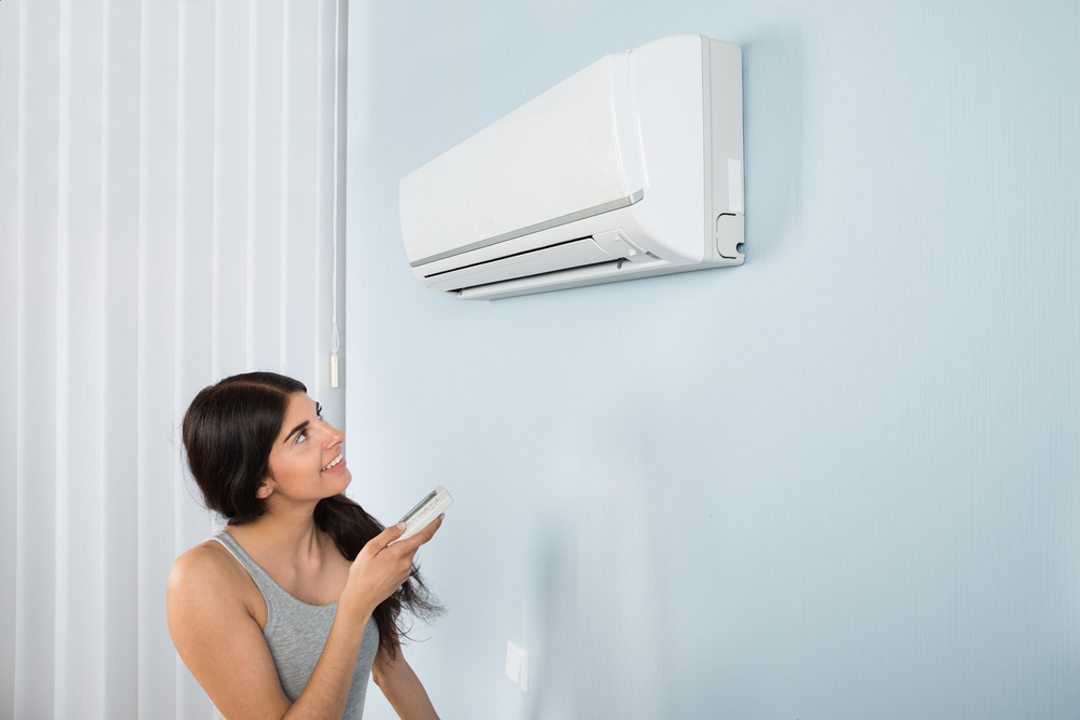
(425, 511)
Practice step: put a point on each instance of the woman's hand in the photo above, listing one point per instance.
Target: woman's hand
(379, 570)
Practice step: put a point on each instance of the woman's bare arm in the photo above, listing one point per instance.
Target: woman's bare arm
(218, 639)
(403, 690)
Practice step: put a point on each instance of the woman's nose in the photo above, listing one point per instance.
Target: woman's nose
(336, 436)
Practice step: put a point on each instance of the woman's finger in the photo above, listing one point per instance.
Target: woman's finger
(387, 536)
(411, 544)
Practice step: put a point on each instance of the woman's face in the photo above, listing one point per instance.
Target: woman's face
(307, 460)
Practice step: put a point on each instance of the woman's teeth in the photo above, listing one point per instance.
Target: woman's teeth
(332, 463)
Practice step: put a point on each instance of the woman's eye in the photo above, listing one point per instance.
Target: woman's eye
(301, 436)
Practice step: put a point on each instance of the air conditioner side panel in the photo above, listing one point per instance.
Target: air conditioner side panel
(724, 151)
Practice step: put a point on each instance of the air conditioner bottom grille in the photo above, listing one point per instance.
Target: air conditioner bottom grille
(537, 277)
(563, 255)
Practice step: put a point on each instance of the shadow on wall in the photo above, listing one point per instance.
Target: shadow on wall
(772, 136)
(597, 584)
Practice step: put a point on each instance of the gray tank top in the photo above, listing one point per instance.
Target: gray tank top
(296, 633)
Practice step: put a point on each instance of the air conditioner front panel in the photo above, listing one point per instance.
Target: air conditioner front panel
(668, 78)
(562, 155)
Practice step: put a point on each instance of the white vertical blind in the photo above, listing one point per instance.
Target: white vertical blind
(166, 197)
(11, 264)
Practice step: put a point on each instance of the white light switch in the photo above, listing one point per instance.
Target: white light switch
(517, 666)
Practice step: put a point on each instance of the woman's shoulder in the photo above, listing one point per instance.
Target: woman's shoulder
(208, 580)
(209, 567)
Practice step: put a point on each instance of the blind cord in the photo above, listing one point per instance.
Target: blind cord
(335, 336)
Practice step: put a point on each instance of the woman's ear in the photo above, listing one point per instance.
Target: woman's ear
(265, 489)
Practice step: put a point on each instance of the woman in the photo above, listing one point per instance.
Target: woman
(285, 612)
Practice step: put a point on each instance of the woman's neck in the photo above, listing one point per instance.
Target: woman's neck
(287, 535)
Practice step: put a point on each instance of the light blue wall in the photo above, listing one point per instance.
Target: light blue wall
(840, 481)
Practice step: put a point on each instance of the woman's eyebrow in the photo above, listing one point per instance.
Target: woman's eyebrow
(295, 430)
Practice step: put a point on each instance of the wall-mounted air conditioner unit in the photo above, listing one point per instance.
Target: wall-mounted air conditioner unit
(630, 168)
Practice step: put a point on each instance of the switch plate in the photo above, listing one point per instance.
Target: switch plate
(517, 666)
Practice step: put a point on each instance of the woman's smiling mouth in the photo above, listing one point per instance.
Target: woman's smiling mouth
(335, 464)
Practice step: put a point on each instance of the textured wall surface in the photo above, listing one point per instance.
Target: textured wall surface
(840, 481)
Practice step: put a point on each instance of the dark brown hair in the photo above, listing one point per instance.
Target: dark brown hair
(229, 430)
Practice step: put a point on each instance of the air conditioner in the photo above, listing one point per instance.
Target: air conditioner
(630, 168)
